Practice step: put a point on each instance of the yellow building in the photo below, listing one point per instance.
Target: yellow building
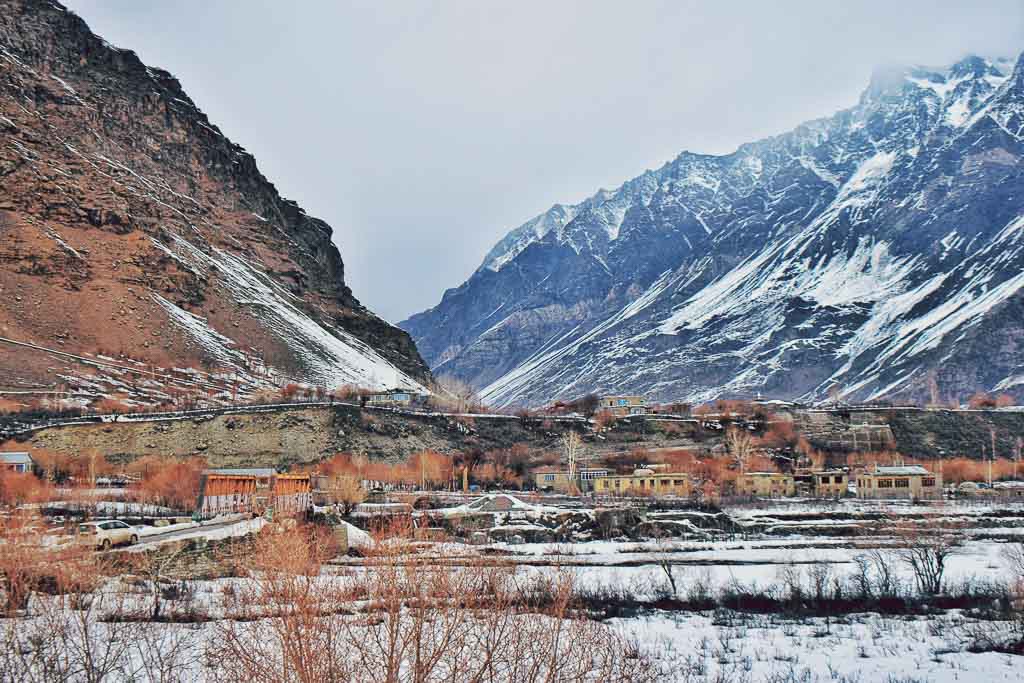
(903, 481)
(623, 406)
(830, 483)
(557, 479)
(765, 485)
(644, 482)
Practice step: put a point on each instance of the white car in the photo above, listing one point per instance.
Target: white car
(103, 535)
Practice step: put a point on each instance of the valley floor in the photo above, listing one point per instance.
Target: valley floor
(669, 603)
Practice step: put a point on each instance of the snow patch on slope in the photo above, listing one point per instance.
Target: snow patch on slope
(329, 358)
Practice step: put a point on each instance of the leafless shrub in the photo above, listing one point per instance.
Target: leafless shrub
(416, 620)
(926, 548)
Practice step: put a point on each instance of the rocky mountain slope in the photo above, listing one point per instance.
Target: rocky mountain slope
(142, 253)
(878, 253)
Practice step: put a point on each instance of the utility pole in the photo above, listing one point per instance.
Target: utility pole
(992, 455)
(1016, 456)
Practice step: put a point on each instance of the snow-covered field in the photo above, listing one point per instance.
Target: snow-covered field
(635, 569)
(856, 648)
(714, 644)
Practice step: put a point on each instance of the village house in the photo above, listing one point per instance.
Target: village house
(262, 475)
(623, 406)
(221, 494)
(16, 462)
(1008, 489)
(557, 478)
(829, 483)
(395, 398)
(291, 494)
(999, 489)
(644, 482)
(901, 481)
(765, 485)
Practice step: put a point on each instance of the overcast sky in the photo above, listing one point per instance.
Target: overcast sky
(423, 132)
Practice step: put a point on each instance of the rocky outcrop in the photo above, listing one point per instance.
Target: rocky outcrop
(878, 253)
(132, 227)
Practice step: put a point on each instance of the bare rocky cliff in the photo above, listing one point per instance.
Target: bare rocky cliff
(132, 229)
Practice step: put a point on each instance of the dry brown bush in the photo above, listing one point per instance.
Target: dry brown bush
(604, 421)
(926, 547)
(780, 433)
(172, 483)
(416, 620)
(18, 488)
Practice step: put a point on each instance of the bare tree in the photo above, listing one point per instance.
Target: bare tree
(1013, 556)
(571, 445)
(588, 404)
(664, 560)
(926, 548)
(461, 394)
(346, 491)
(740, 445)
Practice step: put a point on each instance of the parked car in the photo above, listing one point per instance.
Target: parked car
(103, 535)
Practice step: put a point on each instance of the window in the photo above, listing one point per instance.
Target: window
(903, 483)
(885, 483)
(928, 481)
(549, 477)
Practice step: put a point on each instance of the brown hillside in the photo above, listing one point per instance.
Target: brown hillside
(130, 226)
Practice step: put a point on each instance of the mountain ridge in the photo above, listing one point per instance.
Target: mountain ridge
(562, 303)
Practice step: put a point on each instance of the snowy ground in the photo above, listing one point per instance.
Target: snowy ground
(863, 647)
(723, 645)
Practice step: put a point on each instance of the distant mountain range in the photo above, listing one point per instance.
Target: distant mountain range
(142, 254)
(874, 254)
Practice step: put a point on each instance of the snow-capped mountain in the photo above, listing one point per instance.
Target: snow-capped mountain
(878, 253)
(142, 253)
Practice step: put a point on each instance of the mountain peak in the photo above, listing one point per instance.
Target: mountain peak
(868, 251)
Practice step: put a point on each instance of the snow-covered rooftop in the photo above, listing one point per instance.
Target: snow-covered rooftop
(898, 470)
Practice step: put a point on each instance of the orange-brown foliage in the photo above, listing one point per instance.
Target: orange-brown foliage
(958, 470)
(982, 400)
(111, 405)
(780, 433)
(290, 391)
(17, 488)
(678, 460)
(175, 484)
(604, 420)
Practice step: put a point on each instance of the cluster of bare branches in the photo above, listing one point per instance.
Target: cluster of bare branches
(926, 547)
(408, 618)
(67, 616)
(401, 617)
